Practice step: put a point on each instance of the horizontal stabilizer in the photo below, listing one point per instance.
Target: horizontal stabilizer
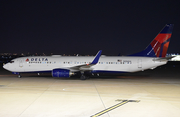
(164, 59)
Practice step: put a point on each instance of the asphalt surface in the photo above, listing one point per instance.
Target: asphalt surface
(151, 93)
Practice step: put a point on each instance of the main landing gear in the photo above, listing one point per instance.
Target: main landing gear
(83, 77)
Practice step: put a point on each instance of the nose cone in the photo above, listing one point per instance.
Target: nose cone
(5, 66)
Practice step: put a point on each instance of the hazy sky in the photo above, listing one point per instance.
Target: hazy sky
(85, 26)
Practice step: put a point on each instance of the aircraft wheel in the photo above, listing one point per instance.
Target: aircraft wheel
(83, 77)
(19, 76)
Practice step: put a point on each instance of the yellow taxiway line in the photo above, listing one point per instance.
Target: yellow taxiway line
(113, 107)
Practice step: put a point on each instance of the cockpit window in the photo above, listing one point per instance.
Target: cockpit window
(11, 61)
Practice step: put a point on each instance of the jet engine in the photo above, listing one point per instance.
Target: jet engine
(61, 73)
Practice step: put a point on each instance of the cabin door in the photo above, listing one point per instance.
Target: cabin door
(21, 63)
(139, 63)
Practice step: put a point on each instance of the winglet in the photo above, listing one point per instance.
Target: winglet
(96, 58)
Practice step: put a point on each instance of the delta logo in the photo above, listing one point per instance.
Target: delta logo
(36, 59)
(27, 60)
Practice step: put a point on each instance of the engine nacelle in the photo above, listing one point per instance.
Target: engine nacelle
(61, 73)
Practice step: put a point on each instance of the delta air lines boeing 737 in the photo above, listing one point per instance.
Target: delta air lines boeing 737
(66, 66)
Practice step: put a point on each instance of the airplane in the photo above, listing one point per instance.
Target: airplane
(152, 56)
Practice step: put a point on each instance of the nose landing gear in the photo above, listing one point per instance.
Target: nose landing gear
(19, 76)
(17, 73)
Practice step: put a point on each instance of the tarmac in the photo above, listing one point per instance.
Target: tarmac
(151, 93)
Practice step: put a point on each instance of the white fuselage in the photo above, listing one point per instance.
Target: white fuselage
(105, 63)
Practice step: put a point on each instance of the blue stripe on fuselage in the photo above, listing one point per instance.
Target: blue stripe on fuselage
(103, 71)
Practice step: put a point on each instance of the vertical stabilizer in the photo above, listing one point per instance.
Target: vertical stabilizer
(159, 46)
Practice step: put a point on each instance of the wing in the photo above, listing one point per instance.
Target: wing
(87, 67)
